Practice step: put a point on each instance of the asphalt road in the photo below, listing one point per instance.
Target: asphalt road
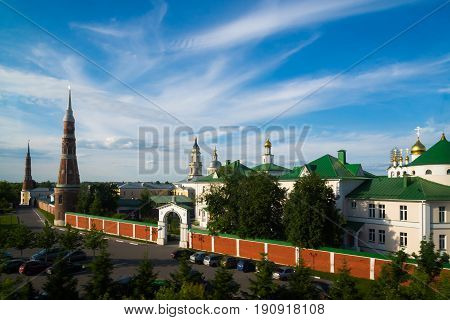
(126, 255)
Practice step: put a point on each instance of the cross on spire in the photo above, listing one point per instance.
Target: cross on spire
(418, 131)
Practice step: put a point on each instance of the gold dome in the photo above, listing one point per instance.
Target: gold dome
(268, 144)
(418, 148)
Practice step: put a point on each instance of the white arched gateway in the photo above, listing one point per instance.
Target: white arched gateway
(183, 214)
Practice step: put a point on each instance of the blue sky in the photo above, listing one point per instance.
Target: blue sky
(218, 63)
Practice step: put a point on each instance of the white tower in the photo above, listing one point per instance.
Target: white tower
(215, 164)
(268, 156)
(195, 165)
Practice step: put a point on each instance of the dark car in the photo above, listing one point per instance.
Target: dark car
(33, 267)
(70, 268)
(181, 253)
(197, 257)
(246, 266)
(213, 260)
(283, 273)
(229, 262)
(11, 266)
(75, 256)
(50, 254)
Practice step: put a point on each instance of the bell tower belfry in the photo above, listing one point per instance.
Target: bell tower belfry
(68, 183)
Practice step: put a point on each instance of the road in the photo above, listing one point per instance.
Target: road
(126, 255)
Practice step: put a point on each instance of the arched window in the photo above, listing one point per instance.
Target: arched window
(404, 173)
(448, 171)
(413, 172)
(428, 172)
(398, 174)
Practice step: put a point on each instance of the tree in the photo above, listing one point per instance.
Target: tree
(344, 287)
(71, 239)
(98, 198)
(419, 288)
(61, 285)
(188, 291)
(300, 284)
(85, 198)
(389, 285)
(184, 274)
(263, 287)
(311, 219)
(144, 282)
(100, 283)
(261, 201)
(443, 286)
(22, 238)
(223, 285)
(147, 203)
(9, 194)
(47, 238)
(94, 240)
(429, 261)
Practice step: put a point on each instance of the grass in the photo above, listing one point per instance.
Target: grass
(363, 285)
(8, 220)
(48, 216)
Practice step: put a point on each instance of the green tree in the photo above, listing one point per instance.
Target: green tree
(70, 239)
(143, 282)
(98, 198)
(47, 238)
(223, 286)
(188, 291)
(419, 288)
(443, 286)
(311, 219)
(22, 238)
(94, 240)
(85, 198)
(301, 285)
(147, 203)
(429, 261)
(184, 274)
(344, 287)
(390, 283)
(100, 282)
(261, 201)
(61, 285)
(9, 194)
(263, 287)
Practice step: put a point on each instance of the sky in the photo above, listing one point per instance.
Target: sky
(149, 76)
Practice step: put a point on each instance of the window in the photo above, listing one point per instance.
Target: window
(353, 204)
(448, 171)
(442, 242)
(371, 235)
(413, 172)
(60, 199)
(428, 172)
(381, 236)
(403, 239)
(403, 213)
(398, 174)
(381, 211)
(441, 214)
(371, 210)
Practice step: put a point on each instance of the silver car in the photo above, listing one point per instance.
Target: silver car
(283, 273)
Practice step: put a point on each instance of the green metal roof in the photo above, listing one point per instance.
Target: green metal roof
(405, 188)
(268, 167)
(233, 167)
(129, 203)
(328, 167)
(166, 199)
(437, 154)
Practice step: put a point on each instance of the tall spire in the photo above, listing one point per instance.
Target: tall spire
(27, 180)
(70, 99)
(195, 165)
(69, 112)
(28, 152)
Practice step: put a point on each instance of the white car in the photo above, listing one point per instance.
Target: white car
(283, 273)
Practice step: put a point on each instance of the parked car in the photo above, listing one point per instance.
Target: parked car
(213, 260)
(51, 254)
(229, 262)
(246, 266)
(197, 257)
(323, 286)
(75, 256)
(33, 267)
(283, 273)
(181, 253)
(274, 266)
(11, 266)
(70, 268)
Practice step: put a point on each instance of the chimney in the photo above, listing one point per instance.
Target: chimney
(342, 156)
(406, 181)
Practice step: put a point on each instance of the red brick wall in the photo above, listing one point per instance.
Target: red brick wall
(225, 245)
(72, 220)
(250, 249)
(359, 266)
(281, 254)
(201, 242)
(83, 223)
(317, 260)
(96, 224)
(142, 232)
(378, 266)
(111, 227)
(154, 234)
(125, 229)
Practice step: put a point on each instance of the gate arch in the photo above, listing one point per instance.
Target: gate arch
(183, 214)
